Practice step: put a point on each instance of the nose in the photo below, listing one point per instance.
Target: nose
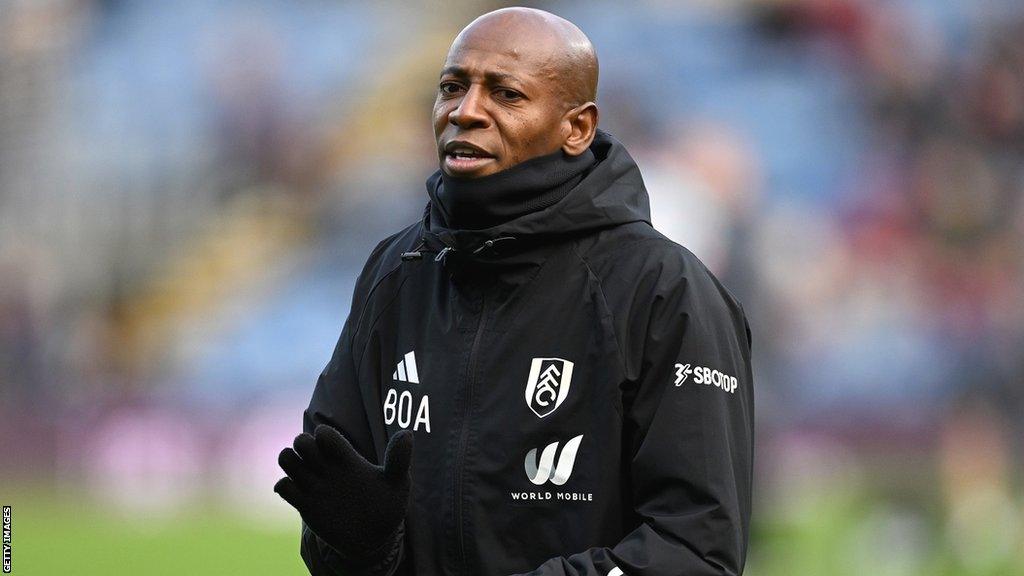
(470, 112)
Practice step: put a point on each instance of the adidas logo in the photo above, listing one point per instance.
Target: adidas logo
(406, 369)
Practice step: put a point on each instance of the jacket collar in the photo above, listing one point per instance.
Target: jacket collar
(611, 193)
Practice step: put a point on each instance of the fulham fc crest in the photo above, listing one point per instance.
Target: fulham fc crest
(548, 384)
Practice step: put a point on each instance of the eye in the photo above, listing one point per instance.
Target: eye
(449, 87)
(507, 94)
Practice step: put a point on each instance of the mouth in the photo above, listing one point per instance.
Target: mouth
(464, 158)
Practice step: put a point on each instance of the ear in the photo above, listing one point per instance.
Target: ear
(581, 122)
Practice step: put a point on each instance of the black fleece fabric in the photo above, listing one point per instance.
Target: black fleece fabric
(353, 506)
(578, 385)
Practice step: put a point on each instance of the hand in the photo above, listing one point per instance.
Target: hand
(354, 506)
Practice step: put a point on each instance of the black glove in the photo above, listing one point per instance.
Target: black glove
(354, 506)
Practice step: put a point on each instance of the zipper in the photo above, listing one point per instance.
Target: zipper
(463, 436)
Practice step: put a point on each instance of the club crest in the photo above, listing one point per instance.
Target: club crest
(548, 384)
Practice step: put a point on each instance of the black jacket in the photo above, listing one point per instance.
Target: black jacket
(579, 386)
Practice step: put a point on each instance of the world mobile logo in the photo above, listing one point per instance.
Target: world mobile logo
(547, 469)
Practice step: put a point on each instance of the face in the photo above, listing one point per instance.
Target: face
(496, 107)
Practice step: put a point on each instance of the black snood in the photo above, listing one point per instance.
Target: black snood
(478, 203)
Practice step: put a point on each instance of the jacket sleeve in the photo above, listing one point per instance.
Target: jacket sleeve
(338, 401)
(688, 426)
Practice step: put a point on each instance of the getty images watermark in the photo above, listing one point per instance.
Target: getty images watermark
(7, 539)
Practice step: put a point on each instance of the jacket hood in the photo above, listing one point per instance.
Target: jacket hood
(612, 193)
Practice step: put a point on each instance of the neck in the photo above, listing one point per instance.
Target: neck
(478, 203)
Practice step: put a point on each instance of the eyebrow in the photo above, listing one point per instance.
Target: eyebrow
(491, 77)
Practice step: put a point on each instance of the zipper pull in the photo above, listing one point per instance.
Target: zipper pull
(442, 254)
(484, 246)
(488, 243)
(415, 253)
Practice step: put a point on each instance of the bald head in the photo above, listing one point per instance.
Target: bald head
(558, 49)
(517, 83)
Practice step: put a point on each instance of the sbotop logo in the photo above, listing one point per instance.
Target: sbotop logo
(707, 376)
(548, 384)
(683, 372)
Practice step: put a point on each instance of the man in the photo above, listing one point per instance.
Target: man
(578, 386)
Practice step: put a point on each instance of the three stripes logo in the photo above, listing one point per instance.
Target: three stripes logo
(406, 370)
(548, 384)
(546, 469)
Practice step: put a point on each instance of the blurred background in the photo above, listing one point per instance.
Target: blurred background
(188, 189)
